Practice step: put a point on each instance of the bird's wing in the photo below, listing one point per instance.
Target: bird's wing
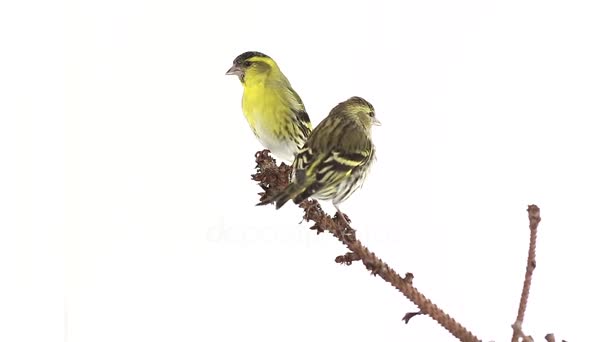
(292, 101)
(329, 167)
(334, 149)
(297, 106)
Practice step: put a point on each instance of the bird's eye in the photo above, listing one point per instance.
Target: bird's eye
(372, 114)
(247, 64)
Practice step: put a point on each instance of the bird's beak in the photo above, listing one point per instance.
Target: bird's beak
(235, 70)
(376, 122)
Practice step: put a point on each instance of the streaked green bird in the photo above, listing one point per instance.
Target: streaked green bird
(336, 158)
(274, 111)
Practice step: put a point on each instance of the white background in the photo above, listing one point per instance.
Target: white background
(128, 210)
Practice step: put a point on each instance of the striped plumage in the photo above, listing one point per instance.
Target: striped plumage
(336, 158)
(273, 109)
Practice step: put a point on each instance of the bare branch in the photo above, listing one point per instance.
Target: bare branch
(534, 218)
(272, 178)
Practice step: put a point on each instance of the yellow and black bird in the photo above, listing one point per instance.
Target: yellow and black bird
(336, 159)
(274, 111)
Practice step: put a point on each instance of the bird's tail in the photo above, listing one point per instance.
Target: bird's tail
(293, 191)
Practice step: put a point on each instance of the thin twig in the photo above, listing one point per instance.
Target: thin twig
(272, 179)
(410, 315)
(534, 218)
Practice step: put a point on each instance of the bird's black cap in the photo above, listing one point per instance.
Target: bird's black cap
(246, 55)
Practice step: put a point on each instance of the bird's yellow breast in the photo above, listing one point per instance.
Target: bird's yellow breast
(263, 108)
